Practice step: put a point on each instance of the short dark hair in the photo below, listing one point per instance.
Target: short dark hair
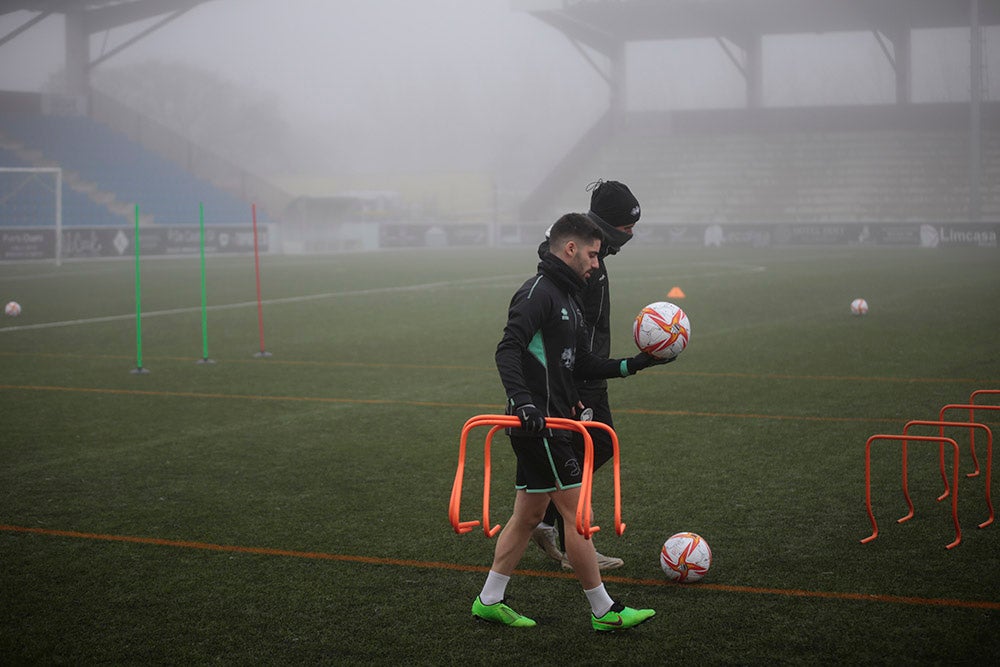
(576, 227)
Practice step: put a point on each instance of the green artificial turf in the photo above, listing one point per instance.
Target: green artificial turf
(294, 509)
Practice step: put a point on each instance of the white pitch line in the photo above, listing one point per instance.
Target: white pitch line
(56, 274)
(247, 304)
(739, 268)
(736, 269)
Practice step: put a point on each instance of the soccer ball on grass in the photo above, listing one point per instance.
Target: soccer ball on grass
(685, 557)
(662, 330)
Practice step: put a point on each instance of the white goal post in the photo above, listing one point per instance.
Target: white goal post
(32, 197)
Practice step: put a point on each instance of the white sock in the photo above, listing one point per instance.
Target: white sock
(542, 524)
(600, 601)
(494, 588)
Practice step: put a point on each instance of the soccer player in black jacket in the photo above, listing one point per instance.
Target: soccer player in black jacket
(615, 210)
(542, 352)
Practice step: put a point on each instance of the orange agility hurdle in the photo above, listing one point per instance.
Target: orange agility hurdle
(583, 510)
(983, 392)
(972, 401)
(972, 426)
(910, 438)
(971, 407)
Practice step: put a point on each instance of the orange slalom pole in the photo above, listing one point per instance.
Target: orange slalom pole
(972, 426)
(868, 477)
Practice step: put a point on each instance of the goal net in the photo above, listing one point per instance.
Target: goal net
(31, 199)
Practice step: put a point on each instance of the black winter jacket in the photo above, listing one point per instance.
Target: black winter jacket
(544, 351)
(595, 297)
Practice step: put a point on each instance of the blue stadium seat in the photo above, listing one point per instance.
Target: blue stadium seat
(117, 165)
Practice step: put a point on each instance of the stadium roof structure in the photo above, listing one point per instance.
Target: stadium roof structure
(103, 13)
(600, 23)
(606, 26)
(86, 17)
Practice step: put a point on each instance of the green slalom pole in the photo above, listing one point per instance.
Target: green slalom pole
(204, 294)
(138, 370)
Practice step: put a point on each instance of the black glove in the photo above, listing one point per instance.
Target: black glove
(642, 361)
(532, 419)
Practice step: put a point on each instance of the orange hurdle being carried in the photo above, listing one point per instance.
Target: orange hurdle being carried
(583, 510)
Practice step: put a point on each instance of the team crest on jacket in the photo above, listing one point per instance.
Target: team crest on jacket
(569, 358)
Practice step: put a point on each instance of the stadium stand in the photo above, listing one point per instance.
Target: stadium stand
(30, 202)
(861, 164)
(902, 162)
(118, 173)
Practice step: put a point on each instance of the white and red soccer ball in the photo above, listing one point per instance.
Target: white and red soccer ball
(662, 330)
(685, 557)
(12, 309)
(859, 307)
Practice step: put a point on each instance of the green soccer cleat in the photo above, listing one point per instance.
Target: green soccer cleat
(620, 617)
(500, 613)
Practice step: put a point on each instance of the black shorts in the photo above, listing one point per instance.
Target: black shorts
(549, 463)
